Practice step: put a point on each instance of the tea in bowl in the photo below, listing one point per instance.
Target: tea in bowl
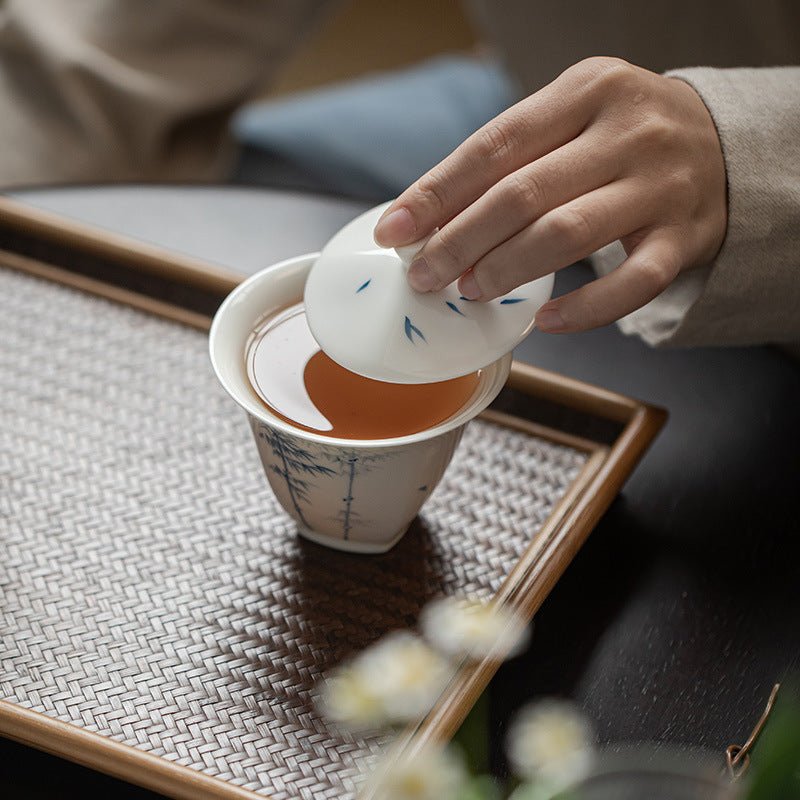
(350, 459)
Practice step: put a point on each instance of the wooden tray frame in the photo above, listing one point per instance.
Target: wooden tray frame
(525, 587)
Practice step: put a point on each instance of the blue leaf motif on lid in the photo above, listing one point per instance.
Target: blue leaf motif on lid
(465, 298)
(509, 301)
(411, 329)
(455, 308)
(364, 285)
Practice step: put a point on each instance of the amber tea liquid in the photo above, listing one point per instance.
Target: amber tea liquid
(300, 384)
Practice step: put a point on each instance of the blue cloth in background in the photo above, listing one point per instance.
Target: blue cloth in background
(372, 137)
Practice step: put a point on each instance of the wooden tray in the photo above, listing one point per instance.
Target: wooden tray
(536, 472)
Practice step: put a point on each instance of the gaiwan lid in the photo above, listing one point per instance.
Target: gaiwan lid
(366, 317)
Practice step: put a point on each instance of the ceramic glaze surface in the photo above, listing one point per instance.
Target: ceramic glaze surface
(367, 318)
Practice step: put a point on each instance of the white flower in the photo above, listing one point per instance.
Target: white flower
(432, 774)
(348, 700)
(397, 679)
(551, 741)
(461, 627)
(406, 674)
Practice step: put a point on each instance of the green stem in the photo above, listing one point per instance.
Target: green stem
(473, 736)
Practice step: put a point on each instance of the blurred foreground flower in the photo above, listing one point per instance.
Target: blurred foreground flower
(434, 773)
(461, 627)
(348, 700)
(395, 680)
(551, 741)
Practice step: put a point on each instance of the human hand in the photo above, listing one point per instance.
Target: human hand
(608, 151)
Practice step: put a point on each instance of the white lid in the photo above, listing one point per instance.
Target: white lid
(366, 317)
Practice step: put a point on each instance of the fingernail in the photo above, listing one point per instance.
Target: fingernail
(395, 228)
(421, 276)
(468, 286)
(549, 320)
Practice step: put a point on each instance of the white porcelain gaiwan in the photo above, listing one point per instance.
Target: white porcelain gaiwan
(361, 495)
(366, 316)
(354, 495)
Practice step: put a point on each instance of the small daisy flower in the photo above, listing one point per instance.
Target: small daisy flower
(551, 741)
(432, 774)
(405, 673)
(460, 627)
(395, 680)
(348, 700)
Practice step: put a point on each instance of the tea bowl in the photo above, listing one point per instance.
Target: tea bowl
(356, 495)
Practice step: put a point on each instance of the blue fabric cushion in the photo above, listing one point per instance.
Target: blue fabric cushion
(372, 137)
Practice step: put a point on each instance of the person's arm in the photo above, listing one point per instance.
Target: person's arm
(750, 294)
(133, 89)
(613, 153)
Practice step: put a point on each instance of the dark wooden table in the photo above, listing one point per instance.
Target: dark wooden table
(681, 611)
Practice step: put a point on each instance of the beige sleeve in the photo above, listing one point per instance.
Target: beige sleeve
(133, 89)
(751, 293)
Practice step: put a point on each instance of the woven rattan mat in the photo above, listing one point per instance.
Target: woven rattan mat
(151, 588)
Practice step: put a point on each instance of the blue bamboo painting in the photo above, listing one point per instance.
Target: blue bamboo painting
(353, 465)
(506, 301)
(411, 329)
(348, 511)
(298, 466)
(455, 308)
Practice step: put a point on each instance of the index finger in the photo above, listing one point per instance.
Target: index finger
(528, 130)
